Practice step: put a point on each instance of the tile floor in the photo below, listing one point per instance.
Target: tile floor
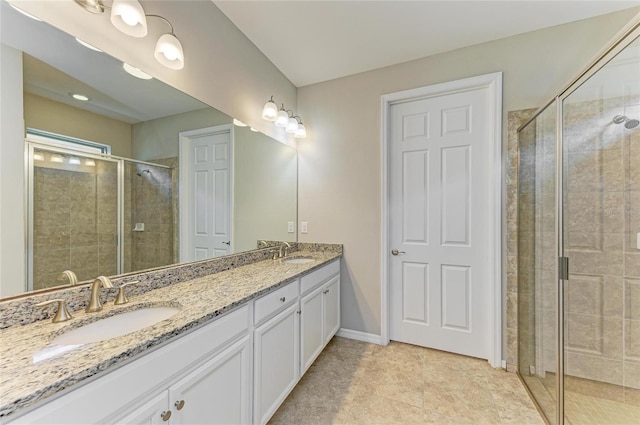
(353, 382)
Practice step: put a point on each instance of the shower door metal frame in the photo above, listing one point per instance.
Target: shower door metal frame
(629, 33)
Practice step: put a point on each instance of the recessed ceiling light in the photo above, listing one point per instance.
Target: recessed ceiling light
(25, 13)
(78, 96)
(136, 72)
(238, 123)
(87, 45)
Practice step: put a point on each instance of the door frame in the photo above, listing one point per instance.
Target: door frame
(184, 180)
(492, 82)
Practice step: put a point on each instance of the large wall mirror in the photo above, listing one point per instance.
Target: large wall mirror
(139, 175)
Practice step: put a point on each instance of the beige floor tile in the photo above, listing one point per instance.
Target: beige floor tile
(357, 383)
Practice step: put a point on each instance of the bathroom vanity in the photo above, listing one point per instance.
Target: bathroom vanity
(239, 344)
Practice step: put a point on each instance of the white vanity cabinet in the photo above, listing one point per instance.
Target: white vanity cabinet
(276, 350)
(320, 311)
(136, 391)
(218, 392)
(237, 369)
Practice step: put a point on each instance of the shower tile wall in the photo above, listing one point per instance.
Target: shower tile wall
(602, 218)
(152, 203)
(74, 223)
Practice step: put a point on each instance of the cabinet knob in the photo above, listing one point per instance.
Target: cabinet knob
(326, 291)
(283, 299)
(299, 311)
(179, 404)
(165, 415)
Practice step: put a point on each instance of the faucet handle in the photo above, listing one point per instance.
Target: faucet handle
(122, 298)
(62, 315)
(274, 254)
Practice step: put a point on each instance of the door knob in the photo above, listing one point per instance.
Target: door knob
(396, 252)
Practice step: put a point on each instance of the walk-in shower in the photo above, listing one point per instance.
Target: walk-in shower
(579, 245)
(96, 214)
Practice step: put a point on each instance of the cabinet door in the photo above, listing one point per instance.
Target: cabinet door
(153, 412)
(276, 362)
(331, 293)
(218, 392)
(311, 333)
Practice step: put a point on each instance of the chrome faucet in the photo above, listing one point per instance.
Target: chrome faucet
(70, 276)
(94, 299)
(284, 246)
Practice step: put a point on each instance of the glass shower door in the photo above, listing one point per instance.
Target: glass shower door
(601, 204)
(74, 221)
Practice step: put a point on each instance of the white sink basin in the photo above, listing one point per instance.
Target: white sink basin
(113, 326)
(298, 260)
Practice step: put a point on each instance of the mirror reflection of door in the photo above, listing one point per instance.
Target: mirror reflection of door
(205, 193)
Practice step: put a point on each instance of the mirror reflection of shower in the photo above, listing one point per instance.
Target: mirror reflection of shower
(141, 173)
(629, 123)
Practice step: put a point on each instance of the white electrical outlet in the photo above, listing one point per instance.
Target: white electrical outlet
(304, 227)
(290, 227)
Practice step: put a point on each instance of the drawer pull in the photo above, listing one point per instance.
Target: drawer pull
(283, 299)
(165, 415)
(179, 404)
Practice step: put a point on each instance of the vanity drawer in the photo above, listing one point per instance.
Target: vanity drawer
(275, 301)
(319, 276)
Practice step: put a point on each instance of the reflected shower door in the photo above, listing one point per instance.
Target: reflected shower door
(74, 222)
(537, 254)
(601, 203)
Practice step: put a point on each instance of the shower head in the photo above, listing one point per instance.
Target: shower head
(140, 173)
(629, 123)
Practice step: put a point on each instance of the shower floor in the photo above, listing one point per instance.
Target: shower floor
(589, 402)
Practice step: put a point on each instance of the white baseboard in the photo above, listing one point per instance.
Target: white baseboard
(360, 336)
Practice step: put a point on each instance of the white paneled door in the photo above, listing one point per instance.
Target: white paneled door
(205, 193)
(439, 222)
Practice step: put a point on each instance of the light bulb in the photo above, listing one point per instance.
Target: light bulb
(74, 160)
(301, 133)
(57, 158)
(38, 156)
(89, 163)
(238, 123)
(169, 52)
(128, 16)
(253, 129)
(292, 125)
(283, 118)
(270, 110)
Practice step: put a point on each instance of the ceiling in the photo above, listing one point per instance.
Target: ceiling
(314, 41)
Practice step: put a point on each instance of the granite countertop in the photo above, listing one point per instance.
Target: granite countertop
(24, 381)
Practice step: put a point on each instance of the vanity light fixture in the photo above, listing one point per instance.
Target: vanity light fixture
(238, 123)
(283, 117)
(132, 70)
(74, 160)
(87, 45)
(28, 15)
(57, 158)
(270, 110)
(78, 96)
(89, 162)
(128, 17)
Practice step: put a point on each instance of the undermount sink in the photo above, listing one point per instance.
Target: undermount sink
(298, 260)
(114, 326)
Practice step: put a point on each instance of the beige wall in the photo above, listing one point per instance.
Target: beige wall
(12, 217)
(265, 189)
(158, 138)
(340, 179)
(56, 117)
